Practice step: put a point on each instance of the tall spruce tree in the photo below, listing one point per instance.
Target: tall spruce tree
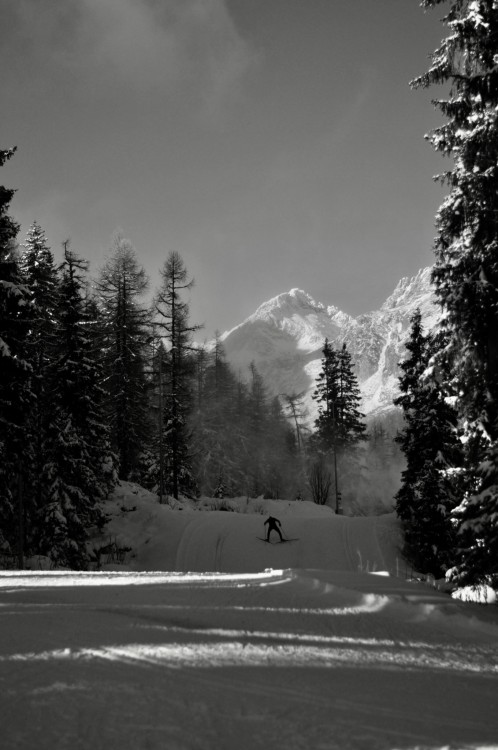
(466, 270)
(39, 274)
(429, 441)
(15, 381)
(172, 315)
(325, 395)
(339, 423)
(125, 332)
(339, 427)
(352, 428)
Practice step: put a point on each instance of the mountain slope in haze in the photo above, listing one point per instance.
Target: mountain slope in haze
(285, 337)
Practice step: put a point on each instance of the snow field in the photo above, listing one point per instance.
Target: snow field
(208, 638)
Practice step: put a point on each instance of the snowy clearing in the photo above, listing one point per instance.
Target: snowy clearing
(259, 646)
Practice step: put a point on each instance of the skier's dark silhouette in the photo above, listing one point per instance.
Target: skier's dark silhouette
(273, 524)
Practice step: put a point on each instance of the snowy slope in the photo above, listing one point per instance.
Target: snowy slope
(189, 536)
(285, 336)
(288, 658)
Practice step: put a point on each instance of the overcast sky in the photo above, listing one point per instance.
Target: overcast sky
(272, 143)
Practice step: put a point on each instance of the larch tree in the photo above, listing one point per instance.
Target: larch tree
(172, 317)
(297, 413)
(466, 270)
(125, 333)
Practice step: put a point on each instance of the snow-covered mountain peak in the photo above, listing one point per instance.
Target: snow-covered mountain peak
(294, 302)
(411, 291)
(285, 336)
(300, 321)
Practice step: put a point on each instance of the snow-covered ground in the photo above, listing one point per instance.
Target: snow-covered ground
(319, 643)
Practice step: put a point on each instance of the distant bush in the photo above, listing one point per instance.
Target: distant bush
(223, 504)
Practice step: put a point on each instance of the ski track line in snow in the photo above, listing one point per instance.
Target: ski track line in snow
(346, 541)
(219, 549)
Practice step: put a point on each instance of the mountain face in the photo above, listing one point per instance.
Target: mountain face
(285, 337)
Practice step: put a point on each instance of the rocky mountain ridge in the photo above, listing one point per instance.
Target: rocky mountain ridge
(284, 338)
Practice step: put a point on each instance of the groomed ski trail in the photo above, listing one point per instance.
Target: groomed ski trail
(230, 543)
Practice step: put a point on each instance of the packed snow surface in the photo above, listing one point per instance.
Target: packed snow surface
(208, 638)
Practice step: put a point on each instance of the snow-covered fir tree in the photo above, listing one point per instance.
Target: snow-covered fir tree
(16, 397)
(466, 271)
(429, 441)
(78, 470)
(40, 277)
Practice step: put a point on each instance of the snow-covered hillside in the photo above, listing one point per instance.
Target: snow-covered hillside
(197, 536)
(317, 644)
(285, 336)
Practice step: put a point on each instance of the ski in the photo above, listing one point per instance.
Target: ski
(295, 539)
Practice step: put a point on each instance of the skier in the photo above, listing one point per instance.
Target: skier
(273, 524)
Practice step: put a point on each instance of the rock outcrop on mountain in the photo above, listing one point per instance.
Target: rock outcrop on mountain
(285, 337)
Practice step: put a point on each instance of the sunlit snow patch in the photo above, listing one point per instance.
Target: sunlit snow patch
(479, 594)
(279, 650)
(21, 579)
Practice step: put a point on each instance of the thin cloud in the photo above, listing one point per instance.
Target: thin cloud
(144, 46)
